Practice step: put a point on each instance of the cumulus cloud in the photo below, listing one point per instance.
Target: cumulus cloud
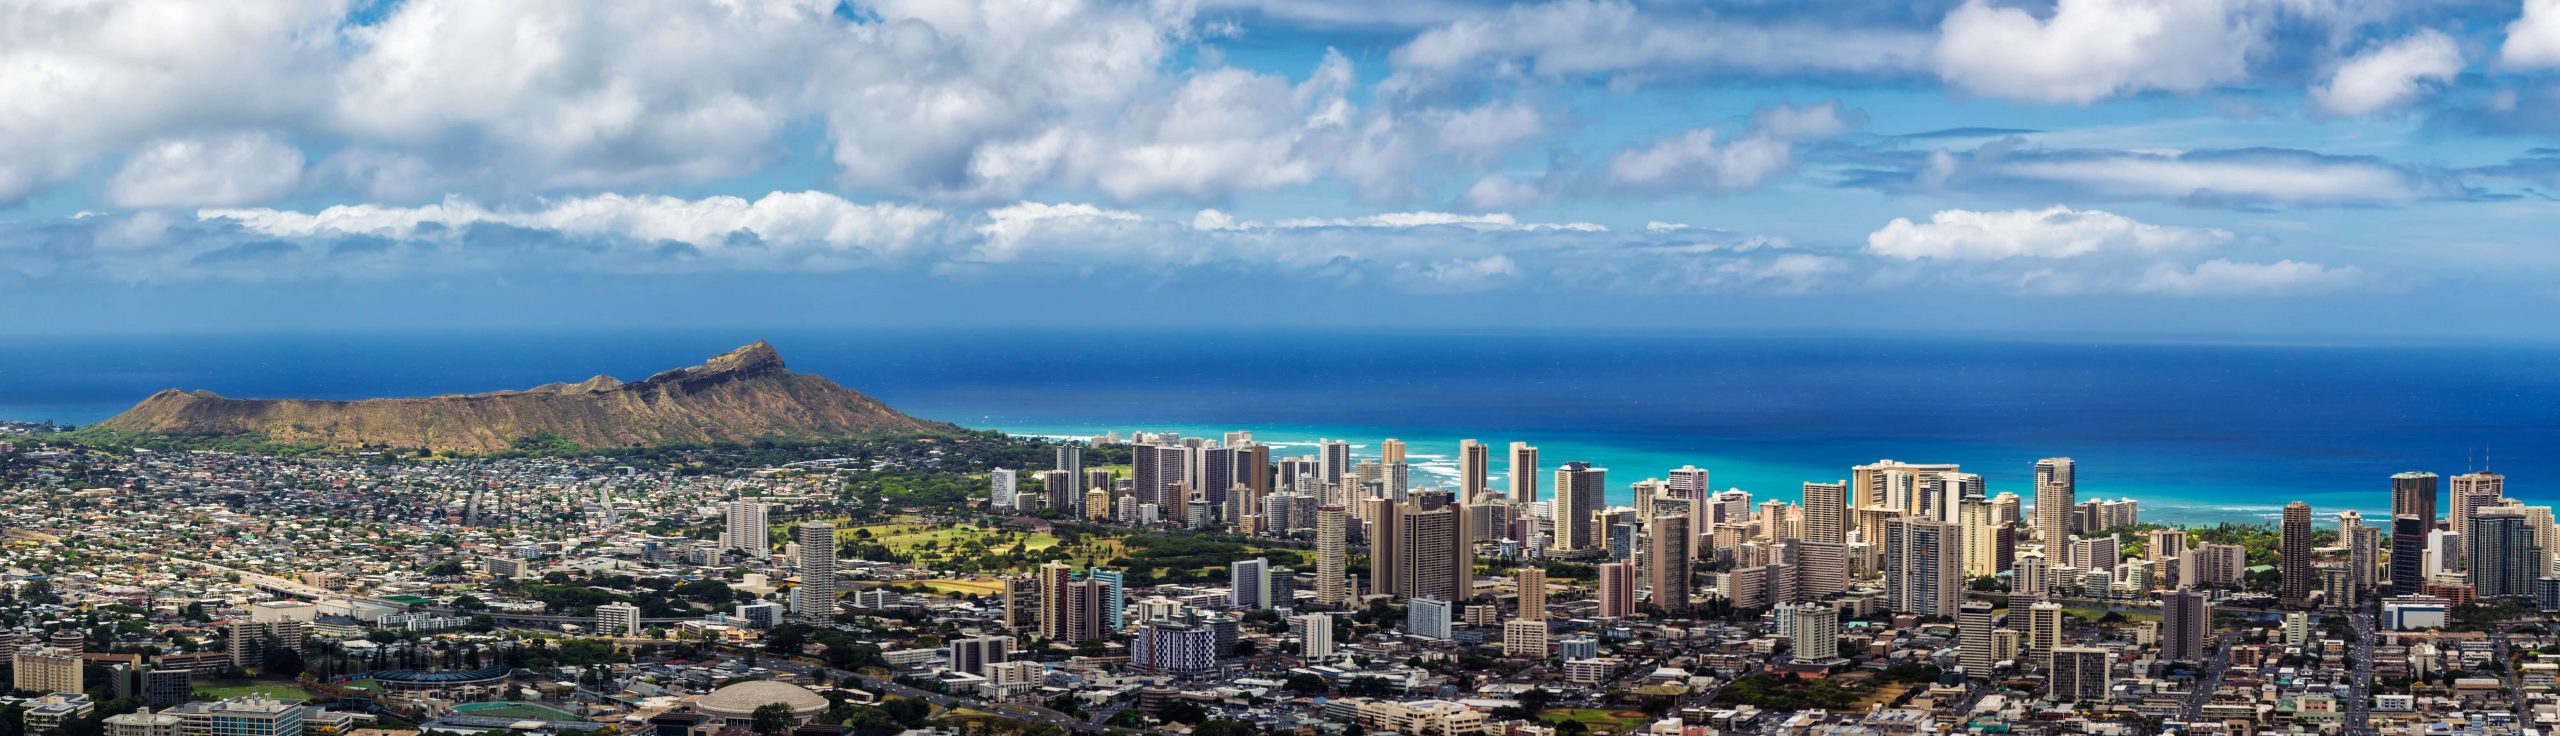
(1703, 160)
(207, 171)
(84, 80)
(2533, 38)
(2054, 232)
(2088, 50)
(1696, 159)
(2389, 75)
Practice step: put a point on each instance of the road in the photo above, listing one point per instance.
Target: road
(2360, 692)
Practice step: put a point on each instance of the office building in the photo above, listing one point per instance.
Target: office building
(1523, 637)
(817, 565)
(1617, 590)
(1524, 474)
(1173, 647)
(143, 723)
(2414, 494)
(744, 530)
(2186, 622)
(244, 716)
(1578, 496)
(2294, 542)
(1923, 563)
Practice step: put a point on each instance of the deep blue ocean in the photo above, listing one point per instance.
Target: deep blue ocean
(2198, 432)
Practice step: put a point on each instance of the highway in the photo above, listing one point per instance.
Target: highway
(2360, 692)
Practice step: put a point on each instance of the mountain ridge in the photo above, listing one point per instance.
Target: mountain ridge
(740, 396)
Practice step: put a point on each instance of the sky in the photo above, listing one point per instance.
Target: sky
(2304, 169)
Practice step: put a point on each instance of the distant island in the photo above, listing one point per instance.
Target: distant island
(741, 396)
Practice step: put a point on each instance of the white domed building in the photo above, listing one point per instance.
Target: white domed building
(736, 705)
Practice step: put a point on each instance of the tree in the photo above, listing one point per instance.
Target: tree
(771, 719)
(1224, 727)
(1307, 684)
(280, 663)
(1183, 711)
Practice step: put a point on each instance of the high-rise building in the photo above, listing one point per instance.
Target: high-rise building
(2079, 675)
(745, 528)
(2056, 485)
(1982, 547)
(46, 670)
(1253, 468)
(1813, 631)
(1429, 618)
(2186, 621)
(1417, 549)
(2294, 542)
(2044, 629)
(2414, 494)
(1474, 471)
(1391, 451)
(1072, 610)
(1162, 472)
(1667, 553)
(1821, 570)
(2032, 579)
(1524, 474)
(1002, 484)
(1617, 589)
(2165, 544)
(974, 654)
(2209, 565)
(1923, 566)
(2504, 560)
(1826, 511)
(1532, 582)
(1249, 584)
(817, 563)
(1579, 489)
(1333, 553)
(1335, 463)
(1973, 639)
(1315, 637)
(1070, 458)
(2472, 492)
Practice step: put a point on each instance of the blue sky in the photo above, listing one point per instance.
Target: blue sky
(2253, 168)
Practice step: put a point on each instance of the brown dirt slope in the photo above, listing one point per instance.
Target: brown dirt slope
(742, 396)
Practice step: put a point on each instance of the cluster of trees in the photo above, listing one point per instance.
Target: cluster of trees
(844, 650)
(1791, 692)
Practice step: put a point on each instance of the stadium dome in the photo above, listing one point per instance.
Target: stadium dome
(737, 703)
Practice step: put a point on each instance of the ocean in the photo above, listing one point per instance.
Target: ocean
(2198, 432)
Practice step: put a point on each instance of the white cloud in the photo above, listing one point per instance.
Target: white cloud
(209, 171)
(1494, 221)
(804, 219)
(2224, 277)
(2088, 50)
(2533, 39)
(1498, 191)
(2206, 177)
(2389, 76)
(1695, 160)
(1569, 38)
(2054, 232)
(86, 79)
